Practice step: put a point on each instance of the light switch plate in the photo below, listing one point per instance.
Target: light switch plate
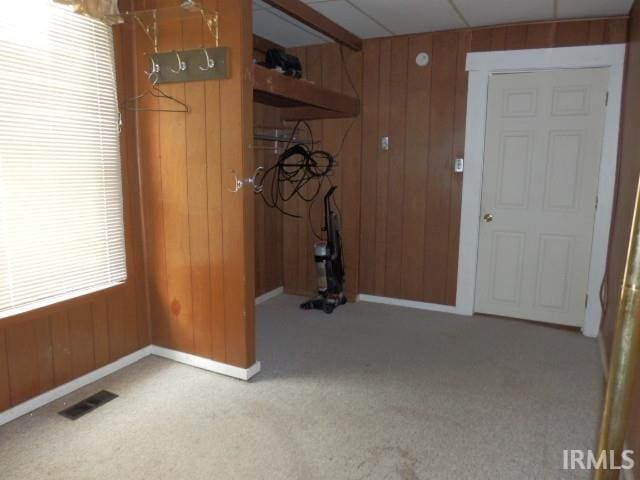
(458, 165)
(384, 143)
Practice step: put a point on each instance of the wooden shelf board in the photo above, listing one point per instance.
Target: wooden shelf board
(299, 98)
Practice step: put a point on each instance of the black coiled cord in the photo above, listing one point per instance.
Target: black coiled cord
(298, 166)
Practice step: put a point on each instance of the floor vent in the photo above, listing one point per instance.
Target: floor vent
(88, 405)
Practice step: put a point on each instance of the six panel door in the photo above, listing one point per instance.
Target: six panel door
(543, 145)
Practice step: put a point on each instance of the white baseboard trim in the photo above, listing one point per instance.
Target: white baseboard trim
(269, 295)
(206, 364)
(407, 303)
(65, 389)
(69, 387)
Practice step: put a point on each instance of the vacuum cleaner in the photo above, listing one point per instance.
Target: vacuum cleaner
(329, 264)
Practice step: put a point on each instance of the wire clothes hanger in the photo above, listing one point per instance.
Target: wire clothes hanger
(154, 91)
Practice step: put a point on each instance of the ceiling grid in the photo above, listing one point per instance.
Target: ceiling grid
(384, 18)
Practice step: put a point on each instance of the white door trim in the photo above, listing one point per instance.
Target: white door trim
(480, 66)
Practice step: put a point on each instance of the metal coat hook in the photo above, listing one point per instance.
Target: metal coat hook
(240, 183)
(211, 63)
(154, 73)
(182, 66)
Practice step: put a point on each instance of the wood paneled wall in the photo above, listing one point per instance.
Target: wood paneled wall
(197, 238)
(324, 66)
(199, 235)
(401, 208)
(190, 244)
(42, 349)
(411, 198)
(269, 252)
(629, 175)
(268, 224)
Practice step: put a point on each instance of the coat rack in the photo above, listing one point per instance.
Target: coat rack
(183, 66)
(191, 65)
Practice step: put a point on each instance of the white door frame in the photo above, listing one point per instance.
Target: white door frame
(480, 66)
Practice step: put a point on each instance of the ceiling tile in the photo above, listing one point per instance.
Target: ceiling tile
(411, 16)
(322, 38)
(494, 12)
(593, 8)
(285, 31)
(349, 17)
(259, 5)
(379, 18)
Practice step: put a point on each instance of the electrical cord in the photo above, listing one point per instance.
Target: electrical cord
(298, 166)
(342, 142)
(355, 91)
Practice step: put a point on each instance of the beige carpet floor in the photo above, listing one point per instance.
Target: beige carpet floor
(370, 392)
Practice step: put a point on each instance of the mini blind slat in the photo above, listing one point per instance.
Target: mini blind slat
(61, 220)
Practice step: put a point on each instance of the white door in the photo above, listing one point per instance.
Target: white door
(543, 146)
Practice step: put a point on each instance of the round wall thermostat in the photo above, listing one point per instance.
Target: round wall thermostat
(422, 59)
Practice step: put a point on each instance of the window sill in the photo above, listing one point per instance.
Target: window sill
(62, 305)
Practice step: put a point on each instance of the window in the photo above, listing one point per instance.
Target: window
(61, 224)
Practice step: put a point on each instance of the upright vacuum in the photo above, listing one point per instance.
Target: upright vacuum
(329, 263)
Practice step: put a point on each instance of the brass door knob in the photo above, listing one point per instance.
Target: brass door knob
(488, 217)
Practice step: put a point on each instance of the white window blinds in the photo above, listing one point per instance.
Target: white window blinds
(61, 224)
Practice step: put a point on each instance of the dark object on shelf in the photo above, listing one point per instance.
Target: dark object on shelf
(330, 264)
(280, 60)
(300, 99)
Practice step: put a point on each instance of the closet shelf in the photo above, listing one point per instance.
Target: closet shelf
(300, 99)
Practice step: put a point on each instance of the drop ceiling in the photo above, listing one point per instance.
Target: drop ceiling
(383, 18)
